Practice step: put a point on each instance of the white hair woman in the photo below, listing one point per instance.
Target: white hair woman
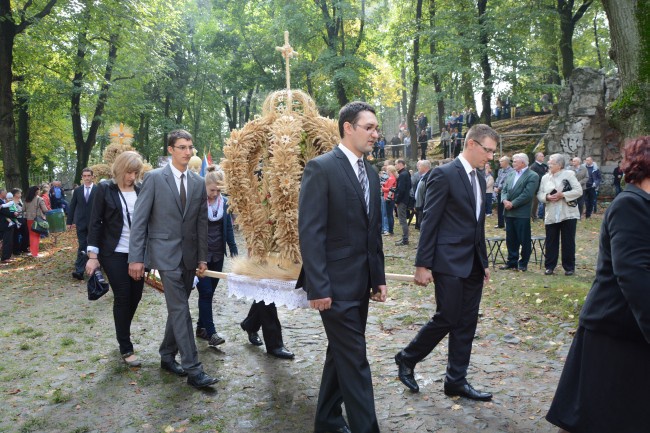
(108, 244)
(559, 190)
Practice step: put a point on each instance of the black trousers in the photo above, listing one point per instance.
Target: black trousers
(7, 242)
(518, 235)
(82, 239)
(21, 237)
(590, 201)
(457, 305)
(127, 293)
(346, 373)
(500, 209)
(265, 316)
(566, 231)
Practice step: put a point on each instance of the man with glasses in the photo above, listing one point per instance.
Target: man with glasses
(343, 263)
(170, 224)
(452, 254)
(517, 196)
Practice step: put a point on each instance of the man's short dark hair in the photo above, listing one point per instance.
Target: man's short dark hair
(176, 135)
(350, 113)
(401, 161)
(88, 169)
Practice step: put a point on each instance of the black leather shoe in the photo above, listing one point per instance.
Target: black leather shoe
(201, 380)
(522, 269)
(569, 273)
(344, 429)
(505, 267)
(466, 390)
(402, 242)
(173, 367)
(548, 272)
(405, 374)
(281, 352)
(78, 276)
(253, 337)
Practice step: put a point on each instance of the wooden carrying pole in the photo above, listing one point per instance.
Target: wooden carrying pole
(392, 277)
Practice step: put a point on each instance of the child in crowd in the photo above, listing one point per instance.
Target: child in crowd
(11, 205)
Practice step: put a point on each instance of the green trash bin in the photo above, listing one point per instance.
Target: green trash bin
(56, 219)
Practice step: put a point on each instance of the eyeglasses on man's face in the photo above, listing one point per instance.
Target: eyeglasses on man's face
(488, 151)
(368, 127)
(184, 148)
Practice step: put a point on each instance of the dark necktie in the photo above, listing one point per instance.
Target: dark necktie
(183, 194)
(472, 176)
(363, 180)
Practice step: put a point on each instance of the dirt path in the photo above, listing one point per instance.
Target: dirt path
(61, 370)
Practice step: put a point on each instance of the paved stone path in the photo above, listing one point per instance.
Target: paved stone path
(61, 370)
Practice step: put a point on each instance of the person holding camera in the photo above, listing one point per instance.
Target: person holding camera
(559, 190)
(108, 245)
(389, 188)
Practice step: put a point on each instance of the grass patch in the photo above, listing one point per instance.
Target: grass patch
(194, 419)
(81, 429)
(28, 332)
(60, 397)
(88, 320)
(33, 425)
(67, 341)
(24, 346)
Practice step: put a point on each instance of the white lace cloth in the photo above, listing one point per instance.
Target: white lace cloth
(283, 293)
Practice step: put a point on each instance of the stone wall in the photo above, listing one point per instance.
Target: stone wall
(580, 127)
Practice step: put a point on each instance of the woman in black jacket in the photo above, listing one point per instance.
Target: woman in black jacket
(108, 245)
(606, 377)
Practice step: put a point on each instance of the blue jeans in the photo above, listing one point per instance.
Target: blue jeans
(206, 287)
(390, 215)
(384, 220)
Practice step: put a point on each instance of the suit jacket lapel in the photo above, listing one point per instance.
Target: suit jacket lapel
(373, 185)
(171, 182)
(189, 189)
(347, 168)
(468, 186)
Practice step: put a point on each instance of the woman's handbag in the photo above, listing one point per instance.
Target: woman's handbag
(40, 226)
(97, 285)
(567, 187)
(391, 194)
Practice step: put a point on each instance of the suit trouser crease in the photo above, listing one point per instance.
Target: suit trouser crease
(346, 373)
(457, 306)
(8, 242)
(127, 294)
(206, 287)
(402, 214)
(179, 335)
(565, 232)
(518, 235)
(590, 201)
(265, 317)
(82, 258)
(500, 210)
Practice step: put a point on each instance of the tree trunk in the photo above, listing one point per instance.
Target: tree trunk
(628, 26)
(437, 85)
(568, 22)
(9, 28)
(84, 147)
(24, 153)
(7, 122)
(404, 104)
(486, 95)
(410, 116)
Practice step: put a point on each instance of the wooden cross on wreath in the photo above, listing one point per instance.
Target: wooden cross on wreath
(121, 135)
(287, 52)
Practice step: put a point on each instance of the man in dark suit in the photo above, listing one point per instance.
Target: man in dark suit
(402, 196)
(79, 216)
(541, 168)
(340, 242)
(6, 230)
(517, 196)
(452, 253)
(170, 233)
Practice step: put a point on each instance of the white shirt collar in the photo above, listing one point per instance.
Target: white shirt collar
(176, 172)
(466, 165)
(351, 157)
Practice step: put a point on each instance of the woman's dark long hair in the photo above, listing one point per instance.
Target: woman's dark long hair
(33, 190)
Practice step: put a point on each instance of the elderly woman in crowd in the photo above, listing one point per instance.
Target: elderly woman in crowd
(489, 189)
(559, 190)
(605, 381)
(45, 195)
(389, 197)
(108, 244)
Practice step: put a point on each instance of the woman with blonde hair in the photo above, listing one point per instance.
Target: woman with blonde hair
(220, 234)
(108, 245)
